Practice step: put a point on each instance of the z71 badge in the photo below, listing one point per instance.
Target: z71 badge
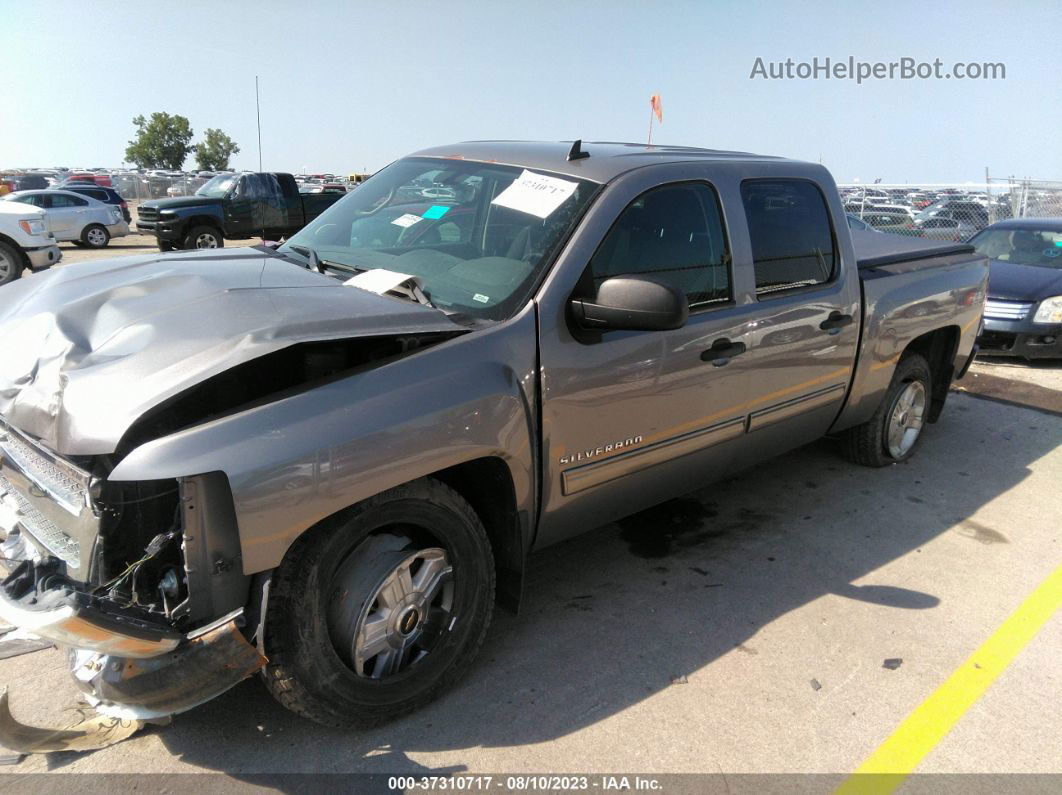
(585, 455)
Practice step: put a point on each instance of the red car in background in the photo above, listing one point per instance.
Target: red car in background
(88, 176)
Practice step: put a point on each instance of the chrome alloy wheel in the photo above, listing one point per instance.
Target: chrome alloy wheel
(206, 240)
(7, 267)
(96, 237)
(906, 419)
(404, 606)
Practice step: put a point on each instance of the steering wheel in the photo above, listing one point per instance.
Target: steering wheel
(384, 201)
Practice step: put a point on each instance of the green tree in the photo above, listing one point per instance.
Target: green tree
(214, 152)
(163, 141)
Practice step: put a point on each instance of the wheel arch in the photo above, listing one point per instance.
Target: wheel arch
(487, 485)
(201, 220)
(12, 243)
(22, 262)
(939, 348)
(18, 249)
(90, 225)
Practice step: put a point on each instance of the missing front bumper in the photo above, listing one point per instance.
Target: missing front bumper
(69, 617)
(210, 662)
(126, 667)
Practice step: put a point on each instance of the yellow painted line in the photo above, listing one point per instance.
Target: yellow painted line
(897, 757)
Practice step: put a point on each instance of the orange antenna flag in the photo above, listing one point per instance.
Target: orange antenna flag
(656, 108)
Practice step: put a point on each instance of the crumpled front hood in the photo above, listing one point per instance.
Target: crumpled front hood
(89, 348)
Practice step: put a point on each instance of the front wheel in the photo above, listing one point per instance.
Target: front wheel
(894, 430)
(376, 612)
(204, 237)
(10, 264)
(95, 236)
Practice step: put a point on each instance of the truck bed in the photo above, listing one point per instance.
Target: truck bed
(875, 249)
(910, 287)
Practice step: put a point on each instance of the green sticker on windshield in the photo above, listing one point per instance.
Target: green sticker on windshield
(435, 212)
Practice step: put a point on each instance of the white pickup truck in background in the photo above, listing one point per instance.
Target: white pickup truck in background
(25, 241)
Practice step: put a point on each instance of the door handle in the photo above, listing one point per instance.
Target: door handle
(835, 322)
(722, 351)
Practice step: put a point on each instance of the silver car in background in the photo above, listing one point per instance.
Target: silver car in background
(945, 226)
(73, 217)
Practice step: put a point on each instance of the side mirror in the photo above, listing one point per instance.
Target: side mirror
(634, 303)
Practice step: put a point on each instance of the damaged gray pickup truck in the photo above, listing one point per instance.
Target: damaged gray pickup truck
(325, 460)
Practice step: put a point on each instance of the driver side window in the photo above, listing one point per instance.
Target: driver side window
(673, 234)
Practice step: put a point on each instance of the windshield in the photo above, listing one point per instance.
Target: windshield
(217, 187)
(1021, 246)
(476, 235)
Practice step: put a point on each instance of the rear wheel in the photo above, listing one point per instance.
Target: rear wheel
(10, 264)
(377, 612)
(894, 430)
(204, 237)
(95, 236)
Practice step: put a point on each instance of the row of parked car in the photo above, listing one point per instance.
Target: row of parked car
(84, 214)
(949, 214)
(141, 184)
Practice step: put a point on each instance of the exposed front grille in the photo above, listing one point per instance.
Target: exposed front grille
(40, 526)
(1006, 310)
(49, 498)
(147, 213)
(63, 482)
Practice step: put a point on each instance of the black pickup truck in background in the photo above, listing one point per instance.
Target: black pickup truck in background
(232, 207)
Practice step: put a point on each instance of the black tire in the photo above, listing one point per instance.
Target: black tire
(165, 245)
(319, 587)
(200, 237)
(868, 444)
(95, 236)
(11, 263)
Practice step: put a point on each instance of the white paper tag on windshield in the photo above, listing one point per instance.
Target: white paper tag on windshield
(380, 281)
(536, 194)
(406, 220)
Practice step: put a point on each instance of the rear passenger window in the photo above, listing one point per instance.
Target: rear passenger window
(791, 235)
(62, 200)
(674, 234)
(260, 187)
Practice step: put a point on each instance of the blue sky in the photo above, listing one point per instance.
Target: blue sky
(353, 85)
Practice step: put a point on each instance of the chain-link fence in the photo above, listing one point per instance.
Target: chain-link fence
(1028, 198)
(953, 212)
(139, 187)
